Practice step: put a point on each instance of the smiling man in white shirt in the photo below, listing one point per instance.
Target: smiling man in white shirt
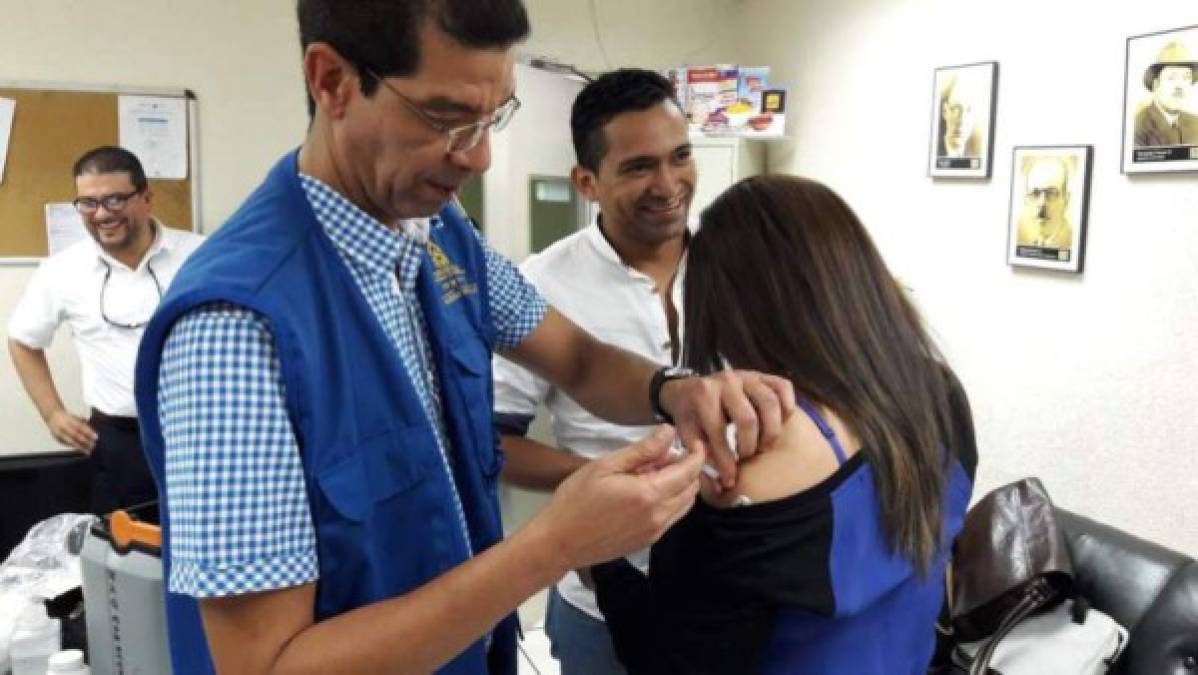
(104, 288)
(616, 279)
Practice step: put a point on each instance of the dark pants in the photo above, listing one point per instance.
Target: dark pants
(120, 475)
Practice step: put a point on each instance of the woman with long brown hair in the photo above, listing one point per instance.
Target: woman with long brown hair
(828, 556)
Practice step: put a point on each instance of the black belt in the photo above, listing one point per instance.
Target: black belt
(115, 421)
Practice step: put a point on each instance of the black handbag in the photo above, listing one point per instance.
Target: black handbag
(1010, 561)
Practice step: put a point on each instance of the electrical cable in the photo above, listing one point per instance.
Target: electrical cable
(598, 35)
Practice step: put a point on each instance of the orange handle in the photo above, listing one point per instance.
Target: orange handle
(125, 530)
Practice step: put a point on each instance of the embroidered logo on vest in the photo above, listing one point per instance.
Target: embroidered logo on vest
(450, 277)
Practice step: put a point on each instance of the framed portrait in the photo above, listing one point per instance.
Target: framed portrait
(1160, 105)
(1050, 198)
(963, 104)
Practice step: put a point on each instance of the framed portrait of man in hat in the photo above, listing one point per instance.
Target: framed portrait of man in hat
(1050, 194)
(1160, 102)
(962, 135)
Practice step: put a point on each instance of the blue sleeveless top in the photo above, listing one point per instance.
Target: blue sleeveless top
(803, 584)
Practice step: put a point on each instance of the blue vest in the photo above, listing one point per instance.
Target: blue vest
(381, 501)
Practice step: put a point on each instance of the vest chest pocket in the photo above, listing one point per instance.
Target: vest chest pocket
(471, 362)
(387, 522)
(377, 470)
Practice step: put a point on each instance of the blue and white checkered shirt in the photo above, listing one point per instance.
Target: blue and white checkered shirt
(240, 518)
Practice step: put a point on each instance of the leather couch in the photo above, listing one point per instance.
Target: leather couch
(35, 486)
(1149, 589)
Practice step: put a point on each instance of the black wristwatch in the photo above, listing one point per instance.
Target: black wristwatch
(662, 376)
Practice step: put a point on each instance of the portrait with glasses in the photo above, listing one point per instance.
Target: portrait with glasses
(1049, 203)
(1160, 113)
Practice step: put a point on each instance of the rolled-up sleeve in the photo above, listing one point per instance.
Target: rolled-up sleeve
(517, 394)
(517, 308)
(37, 314)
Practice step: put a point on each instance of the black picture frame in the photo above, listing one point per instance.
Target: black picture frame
(1035, 236)
(964, 97)
(1155, 139)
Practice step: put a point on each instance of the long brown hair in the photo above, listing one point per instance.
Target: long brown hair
(783, 278)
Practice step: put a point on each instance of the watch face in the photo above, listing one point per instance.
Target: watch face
(676, 372)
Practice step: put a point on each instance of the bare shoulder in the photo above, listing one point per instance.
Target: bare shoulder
(800, 459)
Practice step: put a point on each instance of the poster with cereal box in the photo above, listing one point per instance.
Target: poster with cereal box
(726, 100)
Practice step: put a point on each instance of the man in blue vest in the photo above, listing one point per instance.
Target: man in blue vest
(315, 389)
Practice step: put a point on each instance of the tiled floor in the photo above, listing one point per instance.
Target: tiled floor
(532, 612)
(518, 506)
(535, 658)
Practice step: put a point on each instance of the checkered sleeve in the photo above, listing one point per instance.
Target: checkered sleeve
(240, 520)
(516, 305)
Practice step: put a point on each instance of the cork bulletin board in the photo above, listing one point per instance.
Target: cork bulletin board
(53, 125)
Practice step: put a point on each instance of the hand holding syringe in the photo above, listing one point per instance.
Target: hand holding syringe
(677, 451)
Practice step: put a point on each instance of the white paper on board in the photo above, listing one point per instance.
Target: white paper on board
(8, 109)
(64, 226)
(155, 129)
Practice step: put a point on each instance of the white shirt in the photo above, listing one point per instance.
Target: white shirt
(66, 288)
(583, 277)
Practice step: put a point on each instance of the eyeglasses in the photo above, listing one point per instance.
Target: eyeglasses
(104, 288)
(463, 138)
(1047, 194)
(114, 203)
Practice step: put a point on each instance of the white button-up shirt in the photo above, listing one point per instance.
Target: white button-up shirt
(66, 288)
(584, 278)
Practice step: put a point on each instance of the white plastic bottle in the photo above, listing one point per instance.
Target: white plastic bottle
(36, 638)
(68, 662)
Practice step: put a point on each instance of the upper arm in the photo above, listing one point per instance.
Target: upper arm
(517, 391)
(800, 459)
(247, 633)
(529, 331)
(220, 442)
(555, 350)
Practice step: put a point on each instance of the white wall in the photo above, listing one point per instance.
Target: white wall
(646, 34)
(1085, 381)
(537, 142)
(239, 57)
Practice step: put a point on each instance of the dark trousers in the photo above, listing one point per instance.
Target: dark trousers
(120, 475)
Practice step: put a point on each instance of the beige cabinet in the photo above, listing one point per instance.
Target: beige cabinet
(720, 162)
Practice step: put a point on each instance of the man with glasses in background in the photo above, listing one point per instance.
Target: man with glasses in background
(315, 389)
(105, 288)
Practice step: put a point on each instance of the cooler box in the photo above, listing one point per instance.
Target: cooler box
(121, 562)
